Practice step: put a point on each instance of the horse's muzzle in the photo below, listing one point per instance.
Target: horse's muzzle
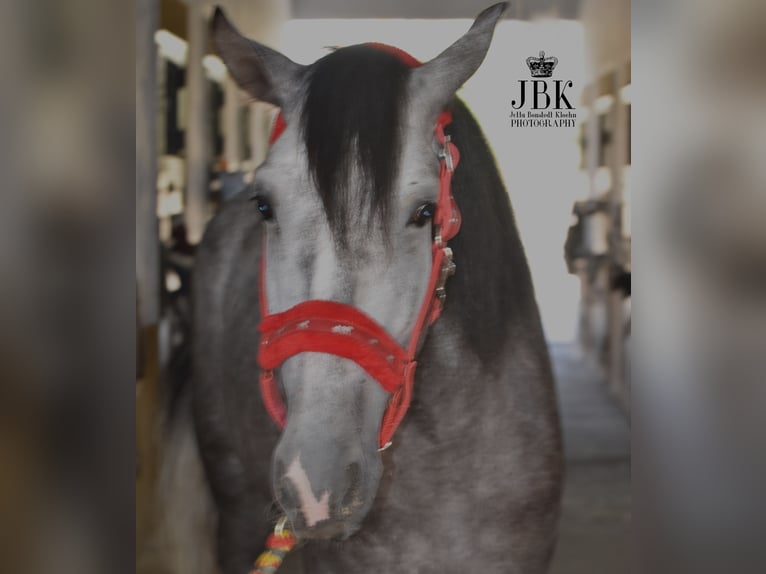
(333, 512)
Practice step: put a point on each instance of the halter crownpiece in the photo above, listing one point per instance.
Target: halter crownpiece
(345, 331)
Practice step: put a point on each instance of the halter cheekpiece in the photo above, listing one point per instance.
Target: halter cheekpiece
(345, 331)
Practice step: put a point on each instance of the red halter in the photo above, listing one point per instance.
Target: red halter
(343, 330)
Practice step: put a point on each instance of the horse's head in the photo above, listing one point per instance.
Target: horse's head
(347, 194)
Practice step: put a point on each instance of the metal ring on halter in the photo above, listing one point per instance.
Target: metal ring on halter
(385, 446)
(279, 529)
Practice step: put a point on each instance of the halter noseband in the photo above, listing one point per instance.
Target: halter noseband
(345, 331)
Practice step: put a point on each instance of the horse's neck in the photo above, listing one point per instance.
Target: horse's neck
(453, 388)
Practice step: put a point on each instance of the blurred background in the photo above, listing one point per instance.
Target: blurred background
(199, 138)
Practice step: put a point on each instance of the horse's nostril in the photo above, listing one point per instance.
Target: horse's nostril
(285, 496)
(352, 497)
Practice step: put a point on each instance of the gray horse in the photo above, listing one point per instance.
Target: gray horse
(344, 203)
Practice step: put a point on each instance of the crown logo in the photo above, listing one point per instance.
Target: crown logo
(542, 67)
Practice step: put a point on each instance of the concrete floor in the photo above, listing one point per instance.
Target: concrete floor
(596, 514)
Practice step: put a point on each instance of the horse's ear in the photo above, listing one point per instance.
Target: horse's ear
(262, 72)
(434, 83)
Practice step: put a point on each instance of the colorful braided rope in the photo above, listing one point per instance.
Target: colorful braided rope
(278, 545)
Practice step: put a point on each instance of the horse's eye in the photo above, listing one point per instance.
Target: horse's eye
(423, 214)
(264, 207)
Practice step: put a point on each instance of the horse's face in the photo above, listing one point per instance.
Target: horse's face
(347, 194)
(326, 466)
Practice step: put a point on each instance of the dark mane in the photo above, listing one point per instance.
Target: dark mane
(492, 283)
(351, 117)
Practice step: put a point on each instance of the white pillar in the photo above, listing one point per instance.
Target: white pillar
(147, 238)
(198, 159)
(616, 314)
(588, 288)
(620, 139)
(593, 136)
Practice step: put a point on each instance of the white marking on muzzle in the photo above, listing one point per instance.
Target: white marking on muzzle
(313, 510)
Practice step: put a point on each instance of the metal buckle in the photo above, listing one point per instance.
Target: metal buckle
(444, 153)
(279, 528)
(448, 270)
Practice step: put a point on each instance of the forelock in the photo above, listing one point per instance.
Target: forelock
(351, 127)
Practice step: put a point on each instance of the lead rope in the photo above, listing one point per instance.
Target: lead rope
(278, 544)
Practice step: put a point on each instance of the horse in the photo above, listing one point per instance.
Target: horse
(343, 212)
